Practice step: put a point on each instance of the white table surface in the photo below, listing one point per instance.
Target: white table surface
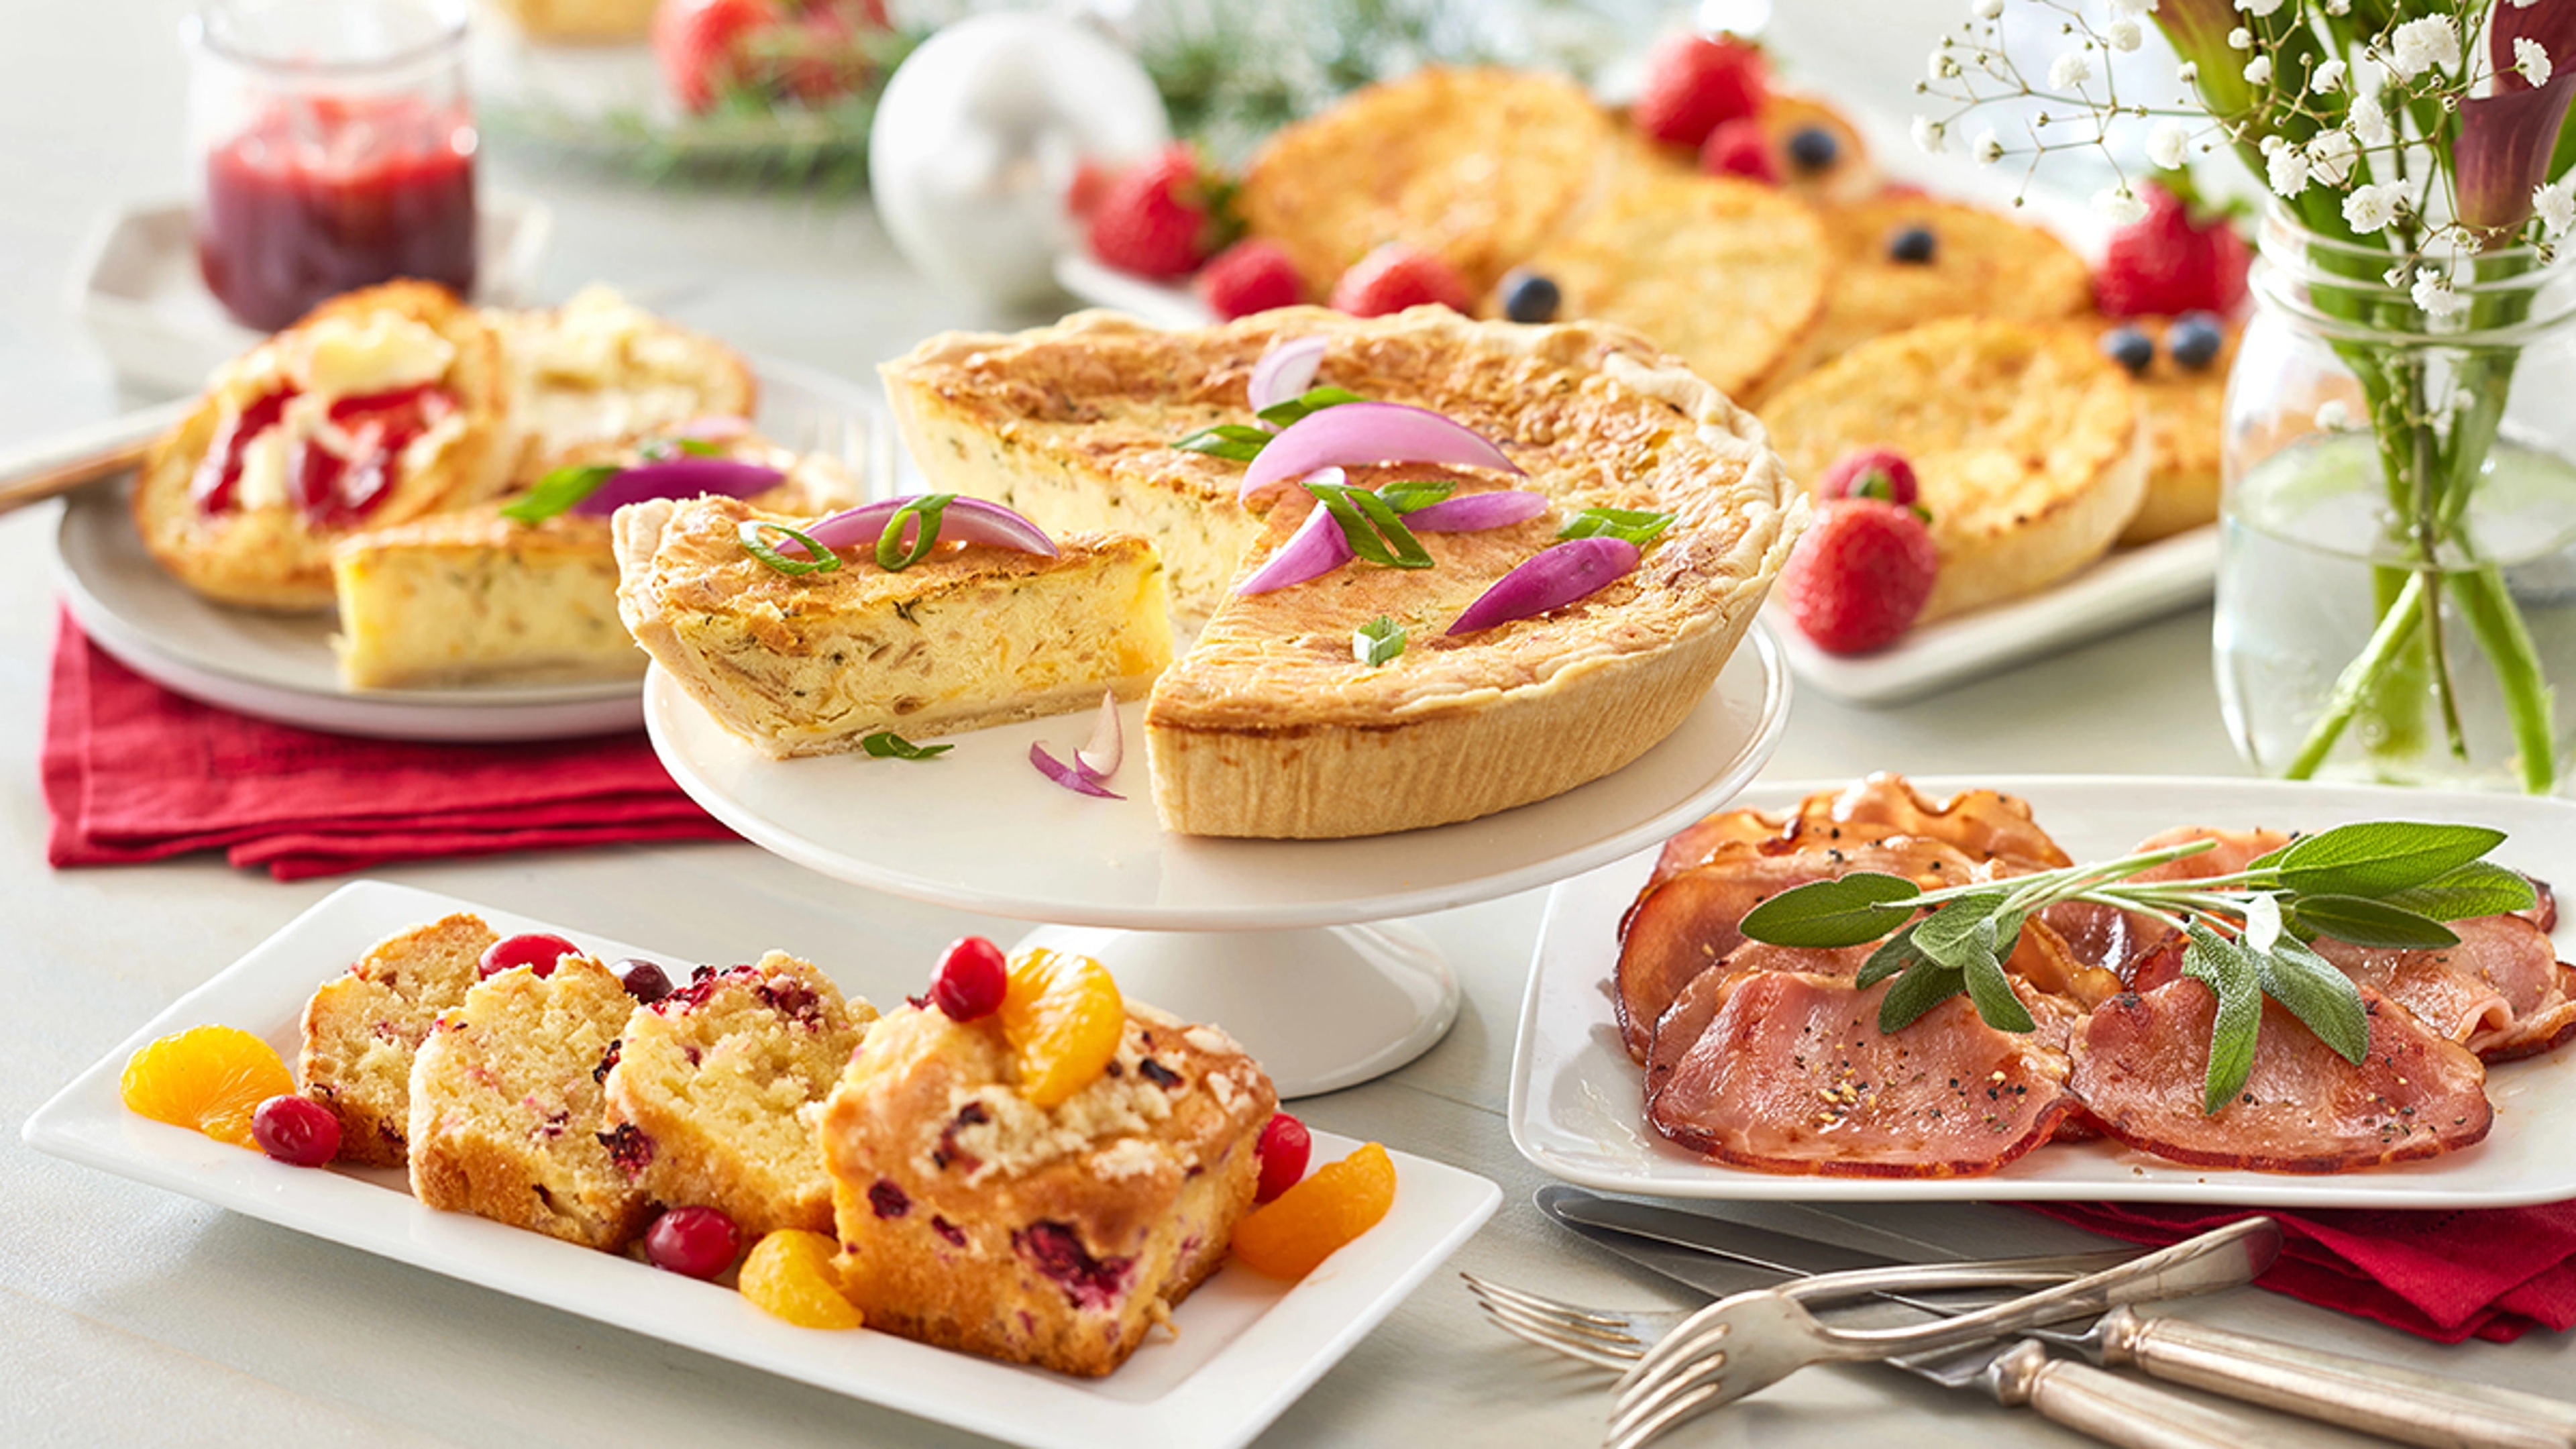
(130, 1316)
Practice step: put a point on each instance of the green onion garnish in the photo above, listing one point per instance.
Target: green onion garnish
(1404, 495)
(892, 556)
(1312, 400)
(818, 559)
(1637, 525)
(1236, 442)
(1377, 641)
(655, 450)
(1370, 525)
(887, 745)
(559, 490)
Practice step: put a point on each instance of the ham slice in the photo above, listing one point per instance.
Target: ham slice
(2501, 992)
(1986, 827)
(2122, 942)
(2139, 1063)
(1787, 1072)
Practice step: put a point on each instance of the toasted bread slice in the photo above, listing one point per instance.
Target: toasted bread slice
(2029, 445)
(1475, 166)
(1728, 275)
(379, 407)
(600, 371)
(2186, 422)
(1983, 264)
(1847, 176)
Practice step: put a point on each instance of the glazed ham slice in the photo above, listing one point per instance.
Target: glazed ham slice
(1787, 1072)
(2122, 942)
(2139, 1062)
(2501, 992)
(1982, 825)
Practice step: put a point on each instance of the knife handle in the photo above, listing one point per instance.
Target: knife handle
(2129, 1413)
(2406, 1405)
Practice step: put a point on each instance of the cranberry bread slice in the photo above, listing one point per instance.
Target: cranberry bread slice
(725, 1078)
(362, 1027)
(508, 1120)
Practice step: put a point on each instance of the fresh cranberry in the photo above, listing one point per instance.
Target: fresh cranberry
(534, 950)
(1088, 1282)
(971, 980)
(697, 1241)
(644, 980)
(1284, 1148)
(888, 1198)
(296, 1129)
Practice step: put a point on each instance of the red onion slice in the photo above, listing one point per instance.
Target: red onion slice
(1554, 578)
(1285, 371)
(683, 477)
(1317, 547)
(1368, 432)
(1071, 777)
(1108, 747)
(972, 520)
(1474, 512)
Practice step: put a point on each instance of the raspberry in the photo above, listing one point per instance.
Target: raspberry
(1396, 276)
(1155, 220)
(1694, 85)
(2165, 263)
(1247, 277)
(1738, 148)
(1861, 574)
(1880, 473)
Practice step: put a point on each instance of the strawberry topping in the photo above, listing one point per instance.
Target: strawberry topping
(1250, 276)
(211, 486)
(1695, 84)
(2164, 263)
(1158, 220)
(1396, 276)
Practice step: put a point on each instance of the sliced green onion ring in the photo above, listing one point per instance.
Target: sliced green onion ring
(892, 556)
(818, 559)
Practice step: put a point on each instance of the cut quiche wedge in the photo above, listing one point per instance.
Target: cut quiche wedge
(1268, 726)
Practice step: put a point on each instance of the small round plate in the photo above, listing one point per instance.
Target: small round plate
(980, 829)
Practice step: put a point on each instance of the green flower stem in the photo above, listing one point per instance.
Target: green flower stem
(2361, 679)
(2529, 702)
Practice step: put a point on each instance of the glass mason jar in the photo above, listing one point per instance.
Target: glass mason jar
(2397, 564)
(334, 148)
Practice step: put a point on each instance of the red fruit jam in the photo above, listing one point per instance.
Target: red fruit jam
(1284, 1149)
(296, 1129)
(971, 980)
(320, 195)
(534, 949)
(698, 1241)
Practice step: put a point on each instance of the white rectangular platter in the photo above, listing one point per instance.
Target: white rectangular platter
(1247, 1345)
(1577, 1101)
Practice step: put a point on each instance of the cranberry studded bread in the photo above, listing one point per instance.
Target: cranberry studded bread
(1268, 726)
(972, 1217)
(1903, 260)
(508, 1117)
(972, 636)
(2029, 446)
(724, 1078)
(382, 406)
(1476, 166)
(362, 1027)
(473, 596)
(600, 370)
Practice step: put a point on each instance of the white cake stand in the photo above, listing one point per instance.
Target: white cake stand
(1288, 944)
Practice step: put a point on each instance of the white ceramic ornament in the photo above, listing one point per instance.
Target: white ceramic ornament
(979, 134)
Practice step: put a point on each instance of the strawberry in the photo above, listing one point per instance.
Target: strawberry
(1880, 473)
(699, 45)
(1695, 84)
(1396, 276)
(1860, 575)
(1738, 148)
(1250, 276)
(1158, 219)
(1089, 187)
(2165, 263)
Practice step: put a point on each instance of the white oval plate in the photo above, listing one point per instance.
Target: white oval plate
(979, 828)
(280, 666)
(1246, 1346)
(1577, 1105)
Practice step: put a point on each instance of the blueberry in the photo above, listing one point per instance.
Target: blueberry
(1529, 297)
(1913, 244)
(1813, 148)
(2194, 339)
(2130, 348)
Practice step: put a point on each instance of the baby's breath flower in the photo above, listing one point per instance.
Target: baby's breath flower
(2368, 121)
(2188, 72)
(2532, 60)
(2433, 294)
(2258, 8)
(2327, 79)
(2370, 208)
(1929, 133)
(2555, 205)
(2240, 39)
(1989, 148)
(2258, 71)
(2123, 33)
(2166, 142)
(2333, 415)
(1987, 9)
(2285, 166)
(2070, 70)
(2338, 7)
(2330, 155)
(2119, 205)
(2133, 7)
(1941, 65)
(2421, 45)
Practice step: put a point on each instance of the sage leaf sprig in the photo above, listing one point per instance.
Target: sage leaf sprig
(2385, 884)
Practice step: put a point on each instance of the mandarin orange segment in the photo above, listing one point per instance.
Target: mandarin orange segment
(790, 1275)
(1063, 1018)
(208, 1078)
(1290, 1235)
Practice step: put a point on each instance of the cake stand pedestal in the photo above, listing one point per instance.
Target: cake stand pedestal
(1292, 946)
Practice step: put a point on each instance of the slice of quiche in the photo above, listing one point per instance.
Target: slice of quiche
(1269, 726)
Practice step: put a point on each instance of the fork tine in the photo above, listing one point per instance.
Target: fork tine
(1698, 1336)
(1599, 1358)
(1627, 1345)
(1553, 1307)
(1646, 1390)
(1683, 1409)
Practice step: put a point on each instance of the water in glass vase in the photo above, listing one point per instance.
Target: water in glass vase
(2306, 537)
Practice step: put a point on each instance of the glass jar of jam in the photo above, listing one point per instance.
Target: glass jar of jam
(337, 150)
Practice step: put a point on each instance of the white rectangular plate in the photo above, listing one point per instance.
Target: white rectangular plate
(1247, 1347)
(1577, 1103)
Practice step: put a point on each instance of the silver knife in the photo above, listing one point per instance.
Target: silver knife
(2374, 1398)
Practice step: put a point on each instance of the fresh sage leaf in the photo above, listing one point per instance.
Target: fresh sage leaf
(2373, 859)
(2373, 923)
(2262, 923)
(1896, 955)
(1925, 985)
(2480, 888)
(1992, 993)
(2223, 967)
(2317, 992)
(1960, 928)
(1851, 911)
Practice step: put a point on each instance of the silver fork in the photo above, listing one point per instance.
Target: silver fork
(1742, 1344)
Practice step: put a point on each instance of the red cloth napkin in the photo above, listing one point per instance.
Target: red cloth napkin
(134, 772)
(2492, 1273)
